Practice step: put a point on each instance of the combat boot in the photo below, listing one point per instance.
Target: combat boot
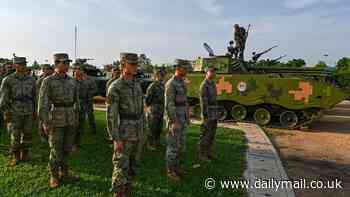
(173, 176)
(16, 159)
(54, 180)
(67, 175)
(25, 155)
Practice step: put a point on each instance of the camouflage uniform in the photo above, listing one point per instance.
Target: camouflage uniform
(240, 37)
(155, 101)
(18, 102)
(58, 109)
(208, 105)
(38, 86)
(83, 105)
(92, 87)
(176, 109)
(125, 123)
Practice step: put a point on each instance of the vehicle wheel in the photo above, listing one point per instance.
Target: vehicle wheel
(239, 112)
(222, 113)
(288, 119)
(262, 116)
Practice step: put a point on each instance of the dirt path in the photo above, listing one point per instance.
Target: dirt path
(321, 153)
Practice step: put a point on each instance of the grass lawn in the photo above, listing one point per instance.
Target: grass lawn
(93, 165)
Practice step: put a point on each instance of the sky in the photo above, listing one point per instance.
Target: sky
(168, 29)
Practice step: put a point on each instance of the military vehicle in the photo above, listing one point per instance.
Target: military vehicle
(282, 97)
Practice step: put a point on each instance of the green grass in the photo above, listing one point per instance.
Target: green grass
(93, 165)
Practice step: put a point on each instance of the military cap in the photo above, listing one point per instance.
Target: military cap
(61, 57)
(19, 60)
(182, 63)
(130, 58)
(46, 66)
(210, 69)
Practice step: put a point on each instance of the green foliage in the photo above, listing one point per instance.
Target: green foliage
(35, 65)
(93, 163)
(321, 65)
(343, 65)
(295, 63)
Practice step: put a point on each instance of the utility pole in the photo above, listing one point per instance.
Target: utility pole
(75, 41)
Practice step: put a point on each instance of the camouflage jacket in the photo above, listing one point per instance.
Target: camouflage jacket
(109, 82)
(92, 87)
(18, 94)
(176, 105)
(207, 96)
(83, 90)
(39, 83)
(155, 98)
(125, 110)
(59, 101)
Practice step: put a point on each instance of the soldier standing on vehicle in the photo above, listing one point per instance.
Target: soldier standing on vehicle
(177, 116)
(154, 101)
(18, 102)
(58, 110)
(47, 70)
(92, 87)
(83, 103)
(115, 75)
(231, 50)
(208, 103)
(240, 37)
(125, 123)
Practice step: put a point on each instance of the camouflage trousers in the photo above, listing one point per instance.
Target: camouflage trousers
(81, 127)
(155, 125)
(124, 166)
(61, 140)
(20, 128)
(175, 147)
(208, 131)
(91, 116)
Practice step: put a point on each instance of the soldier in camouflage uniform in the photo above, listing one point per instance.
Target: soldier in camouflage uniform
(240, 37)
(154, 101)
(2, 76)
(47, 70)
(92, 87)
(58, 110)
(208, 103)
(177, 116)
(125, 123)
(83, 103)
(18, 102)
(115, 75)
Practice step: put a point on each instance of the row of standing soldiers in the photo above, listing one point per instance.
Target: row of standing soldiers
(126, 111)
(61, 103)
(60, 113)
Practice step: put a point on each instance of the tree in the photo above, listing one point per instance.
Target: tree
(35, 65)
(145, 63)
(296, 63)
(343, 65)
(321, 65)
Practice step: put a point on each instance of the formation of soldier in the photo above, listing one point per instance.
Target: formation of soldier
(62, 102)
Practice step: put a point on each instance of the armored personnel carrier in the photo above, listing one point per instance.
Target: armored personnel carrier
(283, 97)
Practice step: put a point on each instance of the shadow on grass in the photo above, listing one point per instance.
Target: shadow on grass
(93, 164)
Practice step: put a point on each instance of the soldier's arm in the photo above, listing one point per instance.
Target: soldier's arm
(149, 95)
(170, 102)
(4, 95)
(34, 96)
(113, 113)
(203, 97)
(44, 102)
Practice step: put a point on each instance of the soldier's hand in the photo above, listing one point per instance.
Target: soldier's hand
(45, 129)
(118, 145)
(7, 117)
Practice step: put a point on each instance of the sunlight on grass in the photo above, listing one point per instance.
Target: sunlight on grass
(93, 164)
